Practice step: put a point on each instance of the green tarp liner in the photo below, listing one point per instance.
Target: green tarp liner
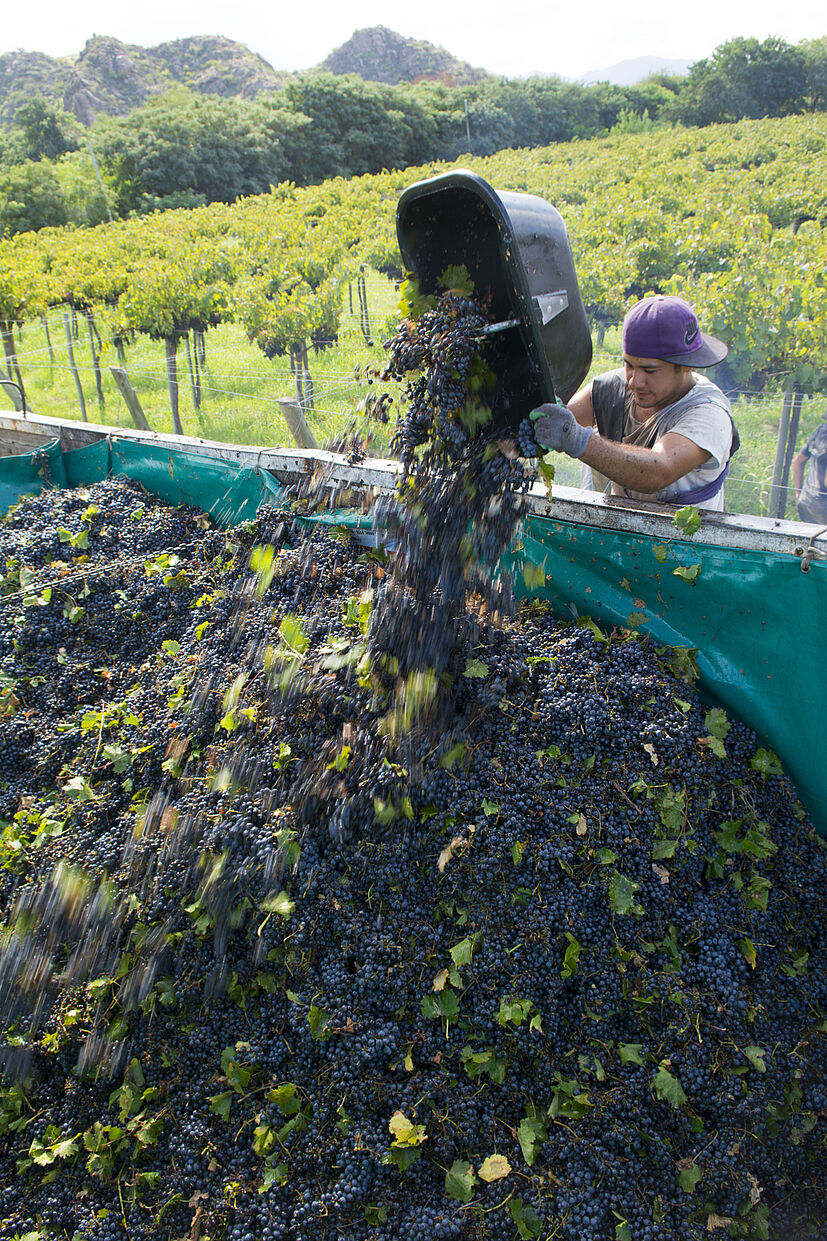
(229, 492)
(754, 618)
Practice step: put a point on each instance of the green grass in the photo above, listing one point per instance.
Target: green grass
(241, 390)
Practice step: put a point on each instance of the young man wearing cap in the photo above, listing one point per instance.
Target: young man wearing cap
(664, 432)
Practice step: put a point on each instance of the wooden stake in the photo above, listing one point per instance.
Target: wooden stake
(171, 346)
(195, 380)
(792, 436)
(130, 397)
(90, 323)
(296, 422)
(73, 366)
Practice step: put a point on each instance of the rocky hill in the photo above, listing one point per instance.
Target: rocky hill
(113, 77)
(380, 55)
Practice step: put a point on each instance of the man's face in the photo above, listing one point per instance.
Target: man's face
(655, 384)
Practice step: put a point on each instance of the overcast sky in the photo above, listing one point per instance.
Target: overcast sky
(514, 38)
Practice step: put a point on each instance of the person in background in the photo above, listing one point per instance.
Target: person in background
(809, 467)
(655, 428)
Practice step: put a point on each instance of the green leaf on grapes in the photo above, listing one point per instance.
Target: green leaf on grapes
(688, 1177)
(413, 303)
(459, 1181)
(293, 634)
(340, 762)
(278, 903)
(717, 723)
(545, 466)
(766, 763)
(273, 1174)
(462, 952)
(630, 1053)
(668, 1088)
(622, 894)
(475, 668)
(527, 1221)
(748, 949)
(531, 1134)
(756, 1055)
(286, 1099)
(534, 575)
(319, 1020)
(221, 1104)
(687, 573)
(571, 957)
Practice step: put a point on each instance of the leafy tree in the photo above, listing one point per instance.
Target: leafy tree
(744, 78)
(357, 127)
(203, 148)
(30, 198)
(40, 131)
(815, 59)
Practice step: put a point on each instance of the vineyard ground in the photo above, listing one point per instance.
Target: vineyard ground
(241, 388)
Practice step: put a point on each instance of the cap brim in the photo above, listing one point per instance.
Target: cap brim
(710, 353)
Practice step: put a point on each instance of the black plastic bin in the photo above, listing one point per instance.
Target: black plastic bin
(516, 249)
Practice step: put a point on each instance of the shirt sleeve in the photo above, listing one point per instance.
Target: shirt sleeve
(710, 427)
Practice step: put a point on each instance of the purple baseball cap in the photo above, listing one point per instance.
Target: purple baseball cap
(667, 327)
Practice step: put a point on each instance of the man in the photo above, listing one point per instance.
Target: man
(664, 432)
(811, 490)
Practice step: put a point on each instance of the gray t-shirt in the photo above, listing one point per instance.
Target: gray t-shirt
(703, 416)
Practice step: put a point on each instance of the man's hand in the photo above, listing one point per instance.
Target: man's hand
(556, 427)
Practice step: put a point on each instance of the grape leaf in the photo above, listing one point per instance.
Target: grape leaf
(462, 952)
(221, 1104)
(571, 957)
(534, 575)
(293, 634)
(456, 278)
(765, 762)
(527, 1221)
(405, 1132)
(748, 949)
(717, 723)
(279, 904)
(668, 1088)
(688, 1177)
(630, 1053)
(475, 668)
(494, 1168)
(688, 572)
(459, 1181)
(756, 1055)
(531, 1134)
(687, 520)
(622, 894)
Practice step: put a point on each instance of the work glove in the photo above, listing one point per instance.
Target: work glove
(555, 427)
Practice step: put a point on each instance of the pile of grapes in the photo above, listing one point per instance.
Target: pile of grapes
(335, 903)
